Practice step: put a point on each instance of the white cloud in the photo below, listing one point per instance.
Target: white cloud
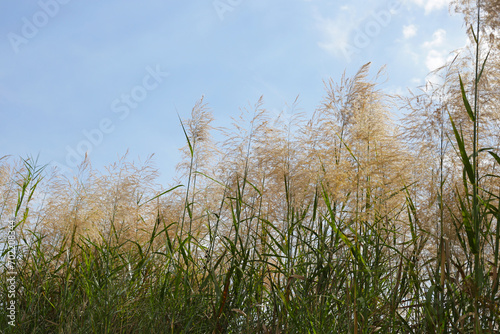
(434, 60)
(431, 5)
(396, 90)
(416, 81)
(337, 33)
(436, 55)
(438, 37)
(345, 34)
(409, 31)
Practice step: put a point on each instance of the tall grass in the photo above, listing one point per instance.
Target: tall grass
(317, 273)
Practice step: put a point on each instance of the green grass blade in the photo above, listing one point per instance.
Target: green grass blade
(466, 101)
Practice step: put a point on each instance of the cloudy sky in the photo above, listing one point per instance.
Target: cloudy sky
(105, 77)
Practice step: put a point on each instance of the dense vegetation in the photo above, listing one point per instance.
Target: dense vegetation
(340, 223)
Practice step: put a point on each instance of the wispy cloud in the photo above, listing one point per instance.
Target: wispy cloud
(354, 28)
(436, 55)
(336, 33)
(434, 59)
(438, 38)
(432, 5)
(409, 31)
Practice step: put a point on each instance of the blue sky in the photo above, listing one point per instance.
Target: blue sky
(111, 76)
